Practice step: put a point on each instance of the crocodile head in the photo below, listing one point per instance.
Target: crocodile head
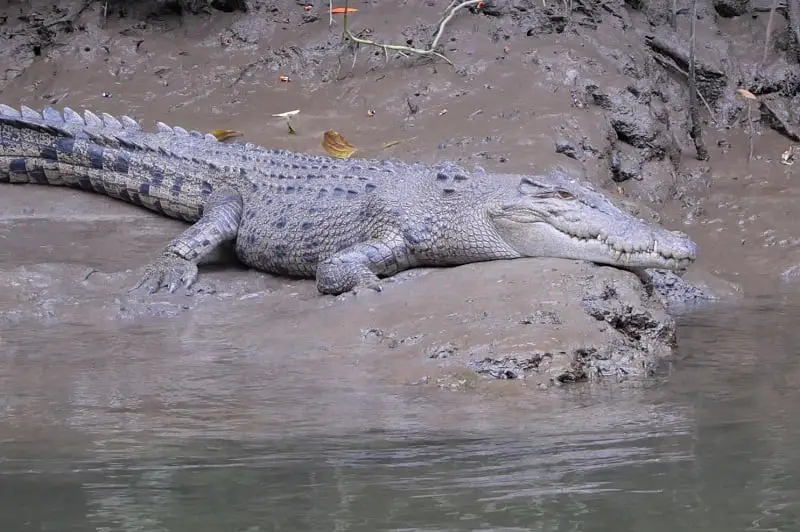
(558, 216)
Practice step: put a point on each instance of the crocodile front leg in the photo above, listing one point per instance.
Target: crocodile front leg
(177, 265)
(358, 266)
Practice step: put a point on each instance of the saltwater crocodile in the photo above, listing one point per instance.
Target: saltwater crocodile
(346, 223)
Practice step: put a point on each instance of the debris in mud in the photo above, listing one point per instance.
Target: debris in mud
(510, 367)
(379, 336)
(565, 147)
(621, 361)
(637, 324)
(777, 114)
(675, 289)
(542, 317)
(287, 116)
(787, 157)
(731, 8)
(442, 351)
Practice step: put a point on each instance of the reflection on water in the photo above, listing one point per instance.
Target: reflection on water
(129, 431)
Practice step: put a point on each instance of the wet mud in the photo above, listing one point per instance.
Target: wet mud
(600, 92)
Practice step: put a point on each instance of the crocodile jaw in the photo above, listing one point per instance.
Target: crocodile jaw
(617, 240)
(559, 216)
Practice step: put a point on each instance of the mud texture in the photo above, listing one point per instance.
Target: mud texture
(600, 91)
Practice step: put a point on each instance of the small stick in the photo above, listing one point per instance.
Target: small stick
(696, 132)
(673, 19)
(750, 131)
(446, 18)
(769, 32)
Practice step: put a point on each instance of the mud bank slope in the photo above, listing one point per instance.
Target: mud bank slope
(597, 91)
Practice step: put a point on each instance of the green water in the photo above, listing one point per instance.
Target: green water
(715, 446)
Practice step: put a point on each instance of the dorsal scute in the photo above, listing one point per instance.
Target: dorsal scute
(130, 123)
(52, 115)
(92, 120)
(29, 114)
(111, 122)
(71, 117)
(8, 111)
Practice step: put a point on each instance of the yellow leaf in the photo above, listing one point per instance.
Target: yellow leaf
(746, 94)
(337, 145)
(226, 134)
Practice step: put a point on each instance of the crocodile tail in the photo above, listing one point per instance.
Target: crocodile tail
(100, 155)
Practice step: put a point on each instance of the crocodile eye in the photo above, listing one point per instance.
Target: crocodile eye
(563, 194)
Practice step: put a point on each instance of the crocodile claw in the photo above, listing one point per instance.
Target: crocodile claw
(167, 271)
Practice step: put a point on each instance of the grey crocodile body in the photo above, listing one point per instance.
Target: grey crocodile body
(345, 223)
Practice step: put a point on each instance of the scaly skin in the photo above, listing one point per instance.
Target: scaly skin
(346, 223)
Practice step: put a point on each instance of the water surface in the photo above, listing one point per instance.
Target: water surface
(133, 429)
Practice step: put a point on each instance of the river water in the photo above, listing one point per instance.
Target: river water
(132, 432)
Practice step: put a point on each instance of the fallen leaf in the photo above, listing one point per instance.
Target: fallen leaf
(287, 114)
(337, 145)
(341, 10)
(226, 134)
(746, 94)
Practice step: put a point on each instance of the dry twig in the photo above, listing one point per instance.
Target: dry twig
(666, 64)
(750, 130)
(696, 132)
(769, 32)
(450, 12)
(673, 17)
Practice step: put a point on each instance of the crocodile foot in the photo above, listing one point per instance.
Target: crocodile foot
(360, 290)
(167, 271)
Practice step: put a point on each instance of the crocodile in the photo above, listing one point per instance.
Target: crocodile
(347, 223)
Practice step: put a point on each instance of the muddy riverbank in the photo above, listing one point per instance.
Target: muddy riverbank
(597, 92)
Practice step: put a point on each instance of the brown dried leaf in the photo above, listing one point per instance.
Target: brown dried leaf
(746, 94)
(226, 134)
(337, 145)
